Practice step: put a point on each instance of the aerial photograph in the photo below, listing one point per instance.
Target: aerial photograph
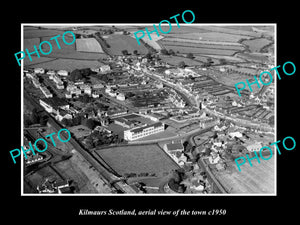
(158, 115)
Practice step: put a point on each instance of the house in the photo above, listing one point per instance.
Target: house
(235, 134)
(121, 97)
(213, 158)
(254, 147)
(174, 147)
(39, 70)
(31, 159)
(95, 94)
(104, 68)
(52, 105)
(51, 73)
(63, 73)
(63, 114)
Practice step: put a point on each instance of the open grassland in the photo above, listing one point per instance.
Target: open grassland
(138, 159)
(118, 43)
(256, 45)
(88, 45)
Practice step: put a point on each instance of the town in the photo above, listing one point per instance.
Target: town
(139, 125)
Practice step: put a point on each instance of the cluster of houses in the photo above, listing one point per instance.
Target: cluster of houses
(51, 185)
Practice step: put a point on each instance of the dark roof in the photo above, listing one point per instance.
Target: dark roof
(140, 129)
(55, 101)
(175, 146)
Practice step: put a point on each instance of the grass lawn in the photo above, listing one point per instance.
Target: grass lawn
(138, 159)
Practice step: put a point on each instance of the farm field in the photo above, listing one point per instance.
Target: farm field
(222, 29)
(36, 60)
(256, 179)
(174, 60)
(67, 64)
(30, 42)
(121, 42)
(88, 45)
(209, 36)
(138, 159)
(256, 45)
(181, 42)
(32, 32)
(203, 51)
(253, 57)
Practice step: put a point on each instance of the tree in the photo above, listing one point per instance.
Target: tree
(222, 61)
(124, 52)
(89, 123)
(171, 52)
(190, 56)
(135, 52)
(164, 51)
(181, 64)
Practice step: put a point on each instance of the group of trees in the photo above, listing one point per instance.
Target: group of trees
(80, 74)
(80, 120)
(100, 138)
(36, 118)
(174, 183)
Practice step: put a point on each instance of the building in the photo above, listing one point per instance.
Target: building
(63, 73)
(235, 134)
(104, 68)
(209, 123)
(174, 147)
(52, 105)
(140, 132)
(254, 147)
(121, 97)
(39, 70)
(124, 122)
(46, 92)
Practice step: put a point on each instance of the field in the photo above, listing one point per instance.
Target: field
(88, 45)
(59, 58)
(37, 33)
(118, 43)
(256, 45)
(254, 57)
(182, 42)
(202, 51)
(231, 39)
(67, 64)
(138, 159)
(174, 60)
(256, 179)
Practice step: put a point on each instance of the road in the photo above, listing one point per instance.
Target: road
(188, 98)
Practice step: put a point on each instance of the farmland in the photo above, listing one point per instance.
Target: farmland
(67, 64)
(210, 37)
(137, 159)
(256, 45)
(88, 45)
(118, 43)
(65, 58)
(202, 51)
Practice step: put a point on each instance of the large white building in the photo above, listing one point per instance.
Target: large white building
(140, 132)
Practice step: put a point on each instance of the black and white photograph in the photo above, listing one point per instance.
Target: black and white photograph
(149, 113)
(185, 112)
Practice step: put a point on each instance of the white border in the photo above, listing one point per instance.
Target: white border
(148, 24)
